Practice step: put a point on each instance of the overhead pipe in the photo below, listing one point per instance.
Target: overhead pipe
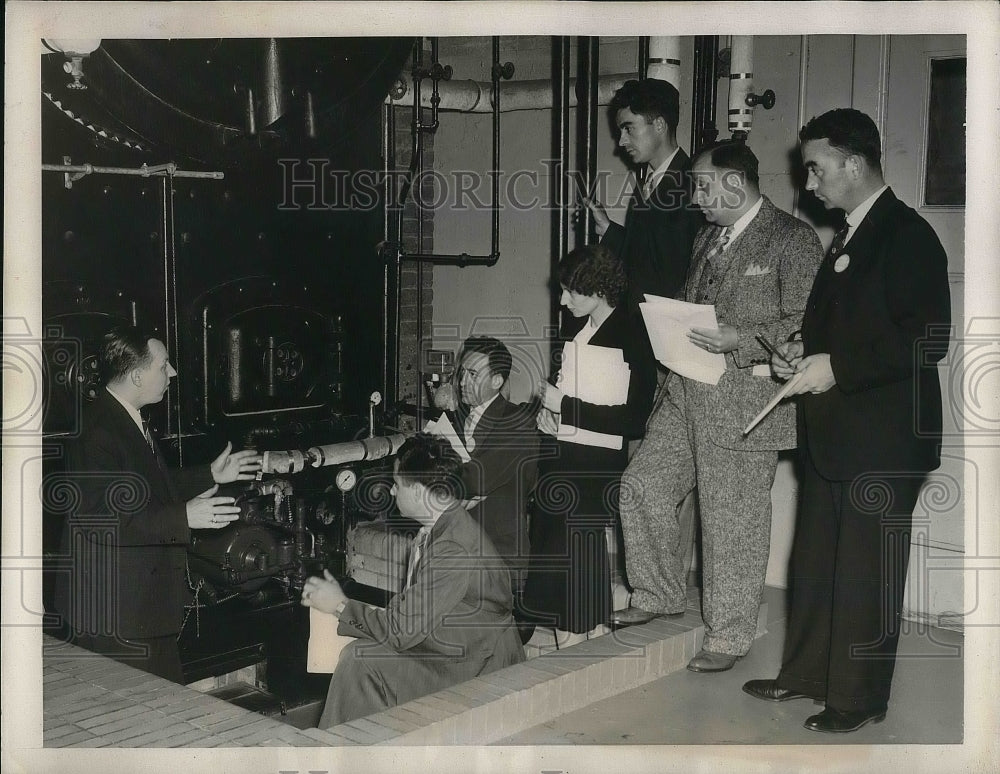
(468, 96)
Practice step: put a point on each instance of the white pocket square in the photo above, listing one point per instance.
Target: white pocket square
(755, 270)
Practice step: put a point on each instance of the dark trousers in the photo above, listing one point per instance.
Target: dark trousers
(157, 655)
(847, 577)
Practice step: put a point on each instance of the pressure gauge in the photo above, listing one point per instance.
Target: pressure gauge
(375, 398)
(346, 479)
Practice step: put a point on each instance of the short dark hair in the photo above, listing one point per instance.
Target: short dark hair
(124, 347)
(735, 155)
(430, 460)
(850, 131)
(650, 98)
(495, 350)
(593, 271)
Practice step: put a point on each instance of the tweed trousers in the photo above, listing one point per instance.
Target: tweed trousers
(734, 499)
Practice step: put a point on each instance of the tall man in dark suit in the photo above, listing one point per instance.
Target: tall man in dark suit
(502, 441)
(451, 622)
(869, 428)
(660, 225)
(756, 264)
(127, 537)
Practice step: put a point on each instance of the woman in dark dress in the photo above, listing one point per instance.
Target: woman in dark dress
(601, 399)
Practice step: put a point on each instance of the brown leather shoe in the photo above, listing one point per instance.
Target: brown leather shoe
(631, 616)
(768, 690)
(834, 721)
(707, 661)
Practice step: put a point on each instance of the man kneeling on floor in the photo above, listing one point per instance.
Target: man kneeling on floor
(451, 622)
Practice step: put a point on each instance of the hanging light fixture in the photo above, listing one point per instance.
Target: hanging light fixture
(74, 49)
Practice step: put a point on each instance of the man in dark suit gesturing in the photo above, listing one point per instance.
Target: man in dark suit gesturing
(655, 243)
(502, 442)
(869, 428)
(126, 538)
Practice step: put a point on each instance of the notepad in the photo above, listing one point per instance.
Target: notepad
(325, 645)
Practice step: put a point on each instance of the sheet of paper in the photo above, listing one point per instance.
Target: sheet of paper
(597, 375)
(668, 322)
(325, 645)
(442, 426)
(778, 396)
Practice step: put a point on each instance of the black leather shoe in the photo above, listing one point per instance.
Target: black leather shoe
(834, 721)
(631, 616)
(768, 690)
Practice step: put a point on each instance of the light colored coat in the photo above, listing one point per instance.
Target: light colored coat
(764, 288)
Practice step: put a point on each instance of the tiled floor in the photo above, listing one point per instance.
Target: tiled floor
(688, 708)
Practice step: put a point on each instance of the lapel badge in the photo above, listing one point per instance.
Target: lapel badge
(842, 262)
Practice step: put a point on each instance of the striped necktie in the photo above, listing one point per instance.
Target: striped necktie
(839, 239)
(719, 247)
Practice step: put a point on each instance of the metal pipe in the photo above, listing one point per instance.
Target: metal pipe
(468, 96)
(498, 71)
(740, 84)
(588, 63)
(495, 223)
(296, 460)
(74, 172)
(663, 59)
(418, 130)
(560, 121)
(643, 58)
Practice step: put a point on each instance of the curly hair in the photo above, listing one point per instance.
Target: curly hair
(430, 460)
(593, 271)
(849, 131)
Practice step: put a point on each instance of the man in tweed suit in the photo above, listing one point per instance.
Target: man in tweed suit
(756, 264)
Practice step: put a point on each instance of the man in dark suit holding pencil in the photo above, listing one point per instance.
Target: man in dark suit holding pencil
(869, 428)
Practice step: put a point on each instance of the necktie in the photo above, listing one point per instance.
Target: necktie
(418, 547)
(720, 243)
(648, 185)
(148, 436)
(839, 239)
(705, 294)
(470, 426)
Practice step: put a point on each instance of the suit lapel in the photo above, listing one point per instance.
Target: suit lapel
(858, 250)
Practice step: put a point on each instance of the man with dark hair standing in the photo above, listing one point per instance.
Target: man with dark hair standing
(126, 539)
(451, 622)
(655, 243)
(756, 264)
(502, 441)
(870, 424)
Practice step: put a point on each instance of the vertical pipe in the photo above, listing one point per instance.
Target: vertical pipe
(418, 160)
(586, 100)
(563, 208)
(495, 222)
(740, 85)
(593, 83)
(643, 58)
(664, 59)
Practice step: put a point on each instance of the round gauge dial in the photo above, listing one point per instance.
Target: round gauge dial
(346, 480)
